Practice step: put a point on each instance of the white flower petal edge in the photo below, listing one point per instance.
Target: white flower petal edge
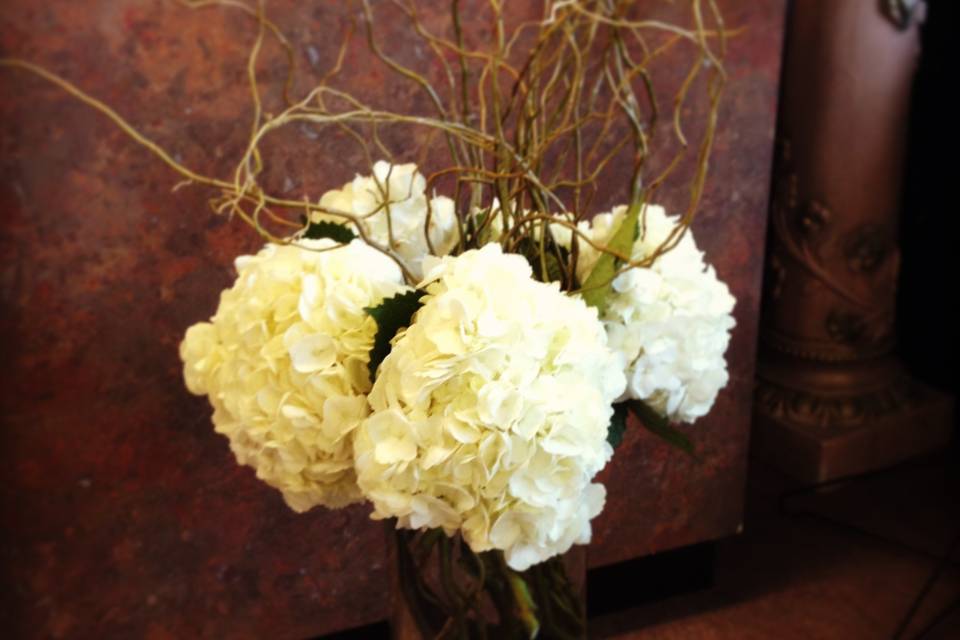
(284, 363)
(393, 205)
(671, 322)
(490, 414)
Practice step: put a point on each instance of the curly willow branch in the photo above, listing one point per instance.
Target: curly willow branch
(535, 120)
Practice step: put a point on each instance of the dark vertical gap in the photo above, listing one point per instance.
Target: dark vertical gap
(926, 311)
(650, 579)
(927, 316)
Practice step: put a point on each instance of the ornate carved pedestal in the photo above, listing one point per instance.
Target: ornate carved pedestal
(832, 399)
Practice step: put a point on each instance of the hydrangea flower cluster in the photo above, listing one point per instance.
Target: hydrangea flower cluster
(284, 364)
(671, 322)
(392, 207)
(489, 416)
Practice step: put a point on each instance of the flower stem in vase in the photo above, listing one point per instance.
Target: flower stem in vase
(442, 589)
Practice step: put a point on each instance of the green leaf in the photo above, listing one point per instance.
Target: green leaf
(556, 270)
(327, 229)
(391, 315)
(660, 426)
(618, 424)
(596, 289)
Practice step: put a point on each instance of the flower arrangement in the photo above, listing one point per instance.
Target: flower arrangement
(461, 347)
(488, 412)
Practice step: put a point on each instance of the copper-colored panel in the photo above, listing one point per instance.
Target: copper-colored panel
(658, 498)
(124, 514)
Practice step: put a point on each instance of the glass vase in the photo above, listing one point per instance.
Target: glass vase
(442, 589)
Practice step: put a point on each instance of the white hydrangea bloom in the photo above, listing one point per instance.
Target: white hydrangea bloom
(490, 414)
(284, 363)
(393, 205)
(671, 321)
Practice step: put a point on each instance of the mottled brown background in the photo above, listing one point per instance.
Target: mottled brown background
(123, 514)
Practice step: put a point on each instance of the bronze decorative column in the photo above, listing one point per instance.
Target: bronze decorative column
(832, 399)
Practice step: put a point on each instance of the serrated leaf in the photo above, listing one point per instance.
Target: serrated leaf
(618, 424)
(597, 287)
(658, 425)
(327, 229)
(391, 315)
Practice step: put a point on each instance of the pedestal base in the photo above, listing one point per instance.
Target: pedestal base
(825, 431)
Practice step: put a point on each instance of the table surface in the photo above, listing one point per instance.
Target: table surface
(124, 514)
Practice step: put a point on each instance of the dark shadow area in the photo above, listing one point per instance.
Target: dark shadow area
(376, 631)
(926, 313)
(650, 579)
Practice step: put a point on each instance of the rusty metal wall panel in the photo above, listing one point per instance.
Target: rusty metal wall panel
(658, 497)
(123, 514)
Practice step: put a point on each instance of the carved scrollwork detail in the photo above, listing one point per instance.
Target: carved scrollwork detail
(796, 224)
(868, 249)
(798, 228)
(773, 280)
(861, 317)
(833, 412)
(813, 218)
(845, 327)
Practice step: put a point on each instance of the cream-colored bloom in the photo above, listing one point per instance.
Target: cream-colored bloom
(393, 208)
(490, 414)
(284, 364)
(671, 322)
